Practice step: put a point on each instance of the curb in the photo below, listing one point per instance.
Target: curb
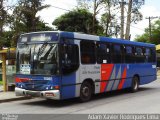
(15, 99)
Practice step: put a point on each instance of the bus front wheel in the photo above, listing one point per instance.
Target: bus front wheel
(85, 92)
(135, 84)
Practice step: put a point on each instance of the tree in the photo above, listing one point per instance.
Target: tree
(78, 20)
(25, 19)
(133, 8)
(3, 21)
(26, 12)
(3, 16)
(108, 19)
(95, 6)
(155, 32)
(6, 39)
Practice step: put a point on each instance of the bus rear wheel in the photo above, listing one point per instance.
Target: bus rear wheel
(135, 84)
(85, 92)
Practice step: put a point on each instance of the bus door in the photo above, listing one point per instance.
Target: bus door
(69, 68)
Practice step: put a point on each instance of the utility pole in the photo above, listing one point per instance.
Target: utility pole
(127, 35)
(122, 3)
(150, 27)
(94, 16)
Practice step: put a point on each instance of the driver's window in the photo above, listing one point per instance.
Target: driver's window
(69, 58)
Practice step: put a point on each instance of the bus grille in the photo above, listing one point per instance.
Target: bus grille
(36, 85)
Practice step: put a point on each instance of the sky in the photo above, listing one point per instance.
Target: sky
(150, 8)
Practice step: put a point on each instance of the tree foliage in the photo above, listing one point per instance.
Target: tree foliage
(108, 18)
(3, 21)
(26, 12)
(95, 6)
(78, 20)
(155, 34)
(25, 19)
(98, 17)
(108, 10)
(136, 14)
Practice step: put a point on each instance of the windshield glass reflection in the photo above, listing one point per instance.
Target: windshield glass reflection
(37, 58)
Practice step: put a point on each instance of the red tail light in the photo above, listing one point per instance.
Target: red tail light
(21, 79)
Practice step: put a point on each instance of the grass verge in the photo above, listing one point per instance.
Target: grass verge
(1, 82)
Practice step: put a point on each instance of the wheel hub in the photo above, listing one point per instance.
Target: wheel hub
(85, 91)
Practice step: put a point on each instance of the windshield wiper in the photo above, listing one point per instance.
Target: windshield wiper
(51, 52)
(41, 49)
(46, 54)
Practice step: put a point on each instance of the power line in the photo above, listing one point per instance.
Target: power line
(117, 16)
(60, 8)
(136, 27)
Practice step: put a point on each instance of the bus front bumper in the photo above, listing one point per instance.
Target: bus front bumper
(50, 94)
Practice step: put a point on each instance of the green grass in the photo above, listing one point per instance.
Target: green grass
(1, 82)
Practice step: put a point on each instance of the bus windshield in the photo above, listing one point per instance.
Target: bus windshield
(37, 58)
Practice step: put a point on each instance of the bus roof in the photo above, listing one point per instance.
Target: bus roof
(83, 36)
(102, 38)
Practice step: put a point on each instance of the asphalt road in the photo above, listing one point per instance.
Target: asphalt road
(146, 100)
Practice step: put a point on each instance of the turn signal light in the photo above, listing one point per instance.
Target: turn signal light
(56, 87)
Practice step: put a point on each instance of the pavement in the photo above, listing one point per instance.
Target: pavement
(10, 95)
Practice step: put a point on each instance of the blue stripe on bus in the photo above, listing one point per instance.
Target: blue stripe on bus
(117, 76)
(126, 42)
(67, 34)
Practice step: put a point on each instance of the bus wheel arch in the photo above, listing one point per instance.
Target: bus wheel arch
(87, 89)
(135, 83)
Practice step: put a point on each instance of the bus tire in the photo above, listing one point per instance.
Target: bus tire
(135, 84)
(85, 92)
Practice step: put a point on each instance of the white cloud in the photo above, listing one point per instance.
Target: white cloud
(51, 13)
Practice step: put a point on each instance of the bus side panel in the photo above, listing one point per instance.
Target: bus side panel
(92, 72)
(131, 71)
(147, 79)
(127, 83)
(146, 72)
(68, 88)
(113, 77)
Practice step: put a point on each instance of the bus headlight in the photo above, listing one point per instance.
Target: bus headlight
(51, 88)
(46, 88)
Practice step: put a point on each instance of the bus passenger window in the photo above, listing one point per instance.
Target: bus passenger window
(103, 53)
(148, 54)
(153, 55)
(85, 58)
(129, 55)
(139, 55)
(117, 54)
(87, 52)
